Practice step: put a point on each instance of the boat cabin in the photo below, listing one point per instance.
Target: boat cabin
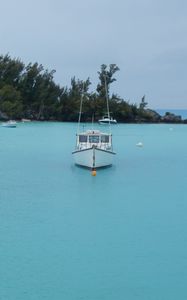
(94, 138)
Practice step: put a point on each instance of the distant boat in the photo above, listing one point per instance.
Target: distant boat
(10, 124)
(25, 120)
(107, 120)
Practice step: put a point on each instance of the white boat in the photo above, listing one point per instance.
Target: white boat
(25, 120)
(10, 124)
(107, 120)
(93, 149)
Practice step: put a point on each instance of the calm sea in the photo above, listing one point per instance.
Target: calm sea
(67, 235)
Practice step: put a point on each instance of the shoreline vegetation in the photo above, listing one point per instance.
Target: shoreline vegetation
(30, 92)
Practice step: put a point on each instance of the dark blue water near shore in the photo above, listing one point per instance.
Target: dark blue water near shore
(65, 235)
(180, 112)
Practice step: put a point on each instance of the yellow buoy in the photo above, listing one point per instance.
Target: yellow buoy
(94, 172)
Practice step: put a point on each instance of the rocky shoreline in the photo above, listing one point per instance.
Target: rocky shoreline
(155, 117)
(149, 116)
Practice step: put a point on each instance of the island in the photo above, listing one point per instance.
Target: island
(30, 92)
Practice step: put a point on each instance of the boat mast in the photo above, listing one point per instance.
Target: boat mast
(92, 121)
(80, 111)
(107, 103)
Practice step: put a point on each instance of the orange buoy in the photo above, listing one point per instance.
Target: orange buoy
(94, 172)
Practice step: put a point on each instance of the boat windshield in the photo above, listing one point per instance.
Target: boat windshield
(82, 138)
(105, 139)
(93, 138)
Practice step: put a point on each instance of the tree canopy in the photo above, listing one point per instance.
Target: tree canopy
(29, 91)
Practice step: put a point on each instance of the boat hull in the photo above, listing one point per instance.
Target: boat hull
(93, 157)
(9, 125)
(107, 122)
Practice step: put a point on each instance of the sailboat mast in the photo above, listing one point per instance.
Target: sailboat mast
(107, 102)
(80, 111)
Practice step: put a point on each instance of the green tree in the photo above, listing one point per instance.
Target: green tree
(105, 79)
(10, 101)
(143, 103)
(71, 100)
(11, 71)
(28, 86)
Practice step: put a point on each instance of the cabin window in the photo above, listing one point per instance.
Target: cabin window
(105, 139)
(93, 138)
(82, 138)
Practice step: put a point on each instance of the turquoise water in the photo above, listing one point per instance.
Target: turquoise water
(67, 235)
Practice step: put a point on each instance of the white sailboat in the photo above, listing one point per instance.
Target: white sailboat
(93, 148)
(107, 120)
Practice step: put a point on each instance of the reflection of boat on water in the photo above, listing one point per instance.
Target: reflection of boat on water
(93, 149)
(9, 124)
(107, 120)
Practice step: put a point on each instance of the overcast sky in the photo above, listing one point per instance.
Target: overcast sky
(147, 39)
